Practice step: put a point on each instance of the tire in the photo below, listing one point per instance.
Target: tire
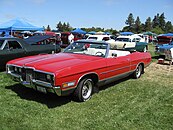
(84, 90)
(138, 72)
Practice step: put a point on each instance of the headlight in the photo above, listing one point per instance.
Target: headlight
(15, 69)
(50, 78)
(20, 70)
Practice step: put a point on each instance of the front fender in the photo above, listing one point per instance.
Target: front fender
(140, 46)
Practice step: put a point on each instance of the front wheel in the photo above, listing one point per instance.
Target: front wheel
(84, 90)
(138, 72)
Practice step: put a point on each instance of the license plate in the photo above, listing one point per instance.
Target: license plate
(41, 89)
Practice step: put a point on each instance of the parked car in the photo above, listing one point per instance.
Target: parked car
(11, 48)
(106, 38)
(160, 49)
(164, 39)
(131, 43)
(169, 55)
(83, 65)
(66, 39)
(40, 39)
(99, 37)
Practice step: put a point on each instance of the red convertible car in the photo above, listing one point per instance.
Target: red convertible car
(83, 65)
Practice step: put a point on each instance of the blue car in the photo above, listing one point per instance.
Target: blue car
(160, 49)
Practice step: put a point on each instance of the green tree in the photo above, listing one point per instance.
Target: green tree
(162, 21)
(168, 27)
(148, 24)
(143, 27)
(63, 27)
(48, 28)
(157, 30)
(59, 27)
(156, 21)
(130, 22)
(68, 27)
(125, 29)
(137, 25)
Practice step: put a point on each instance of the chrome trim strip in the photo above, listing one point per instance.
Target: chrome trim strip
(126, 73)
(26, 67)
(42, 83)
(57, 90)
(14, 65)
(15, 75)
(114, 70)
(85, 75)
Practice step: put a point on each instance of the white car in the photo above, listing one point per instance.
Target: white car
(105, 38)
(127, 41)
(131, 42)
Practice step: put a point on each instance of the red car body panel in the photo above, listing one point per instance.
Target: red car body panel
(68, 67)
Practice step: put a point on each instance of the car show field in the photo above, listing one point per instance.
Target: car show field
(86, 65)
(145, 103)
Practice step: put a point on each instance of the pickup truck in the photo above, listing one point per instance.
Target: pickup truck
(12, 48)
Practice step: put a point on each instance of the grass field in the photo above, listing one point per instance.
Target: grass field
(145, 103)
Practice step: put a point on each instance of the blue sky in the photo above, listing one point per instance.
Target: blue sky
(84, 13)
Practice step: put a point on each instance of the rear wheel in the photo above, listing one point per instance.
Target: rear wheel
(145, 49)
(138, 72)
(84, 90)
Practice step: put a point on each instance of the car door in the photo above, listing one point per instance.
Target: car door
(117, 67)
(12, 50)
(130, 43)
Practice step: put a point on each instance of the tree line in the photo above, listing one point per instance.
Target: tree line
(156, 25)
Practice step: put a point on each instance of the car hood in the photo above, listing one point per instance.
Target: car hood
(54, 63)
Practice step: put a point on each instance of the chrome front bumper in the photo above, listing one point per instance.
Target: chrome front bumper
(34, 84)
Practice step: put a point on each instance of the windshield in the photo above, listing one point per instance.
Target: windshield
(87, 48)
(1, 42)
(94, 38)
(123, 39)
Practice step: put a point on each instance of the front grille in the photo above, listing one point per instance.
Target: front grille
(29, 75)
(40, 76)
(45, 77)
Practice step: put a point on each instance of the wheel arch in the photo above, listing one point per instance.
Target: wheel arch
(142, 66)
(94, 76)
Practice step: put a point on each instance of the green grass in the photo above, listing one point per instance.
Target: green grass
(145, 103)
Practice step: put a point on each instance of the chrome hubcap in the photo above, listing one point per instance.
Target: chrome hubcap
(138, 71)
(87, 89)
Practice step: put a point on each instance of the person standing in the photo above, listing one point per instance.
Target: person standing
(71, 38)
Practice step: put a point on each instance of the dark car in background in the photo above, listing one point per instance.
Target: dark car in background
(12, 48)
